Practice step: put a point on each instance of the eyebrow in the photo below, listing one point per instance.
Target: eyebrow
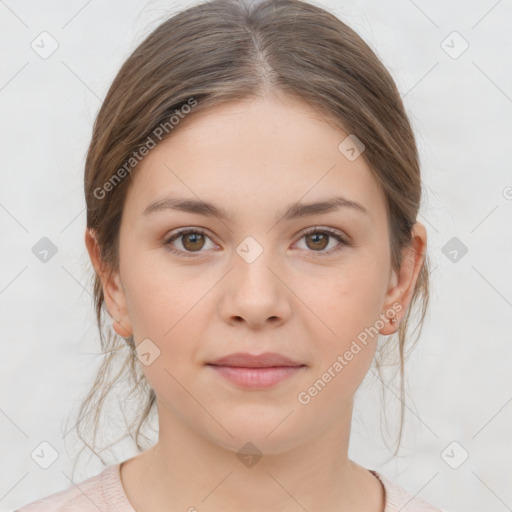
(293, 211)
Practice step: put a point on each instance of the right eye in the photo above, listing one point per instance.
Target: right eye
(192, 241)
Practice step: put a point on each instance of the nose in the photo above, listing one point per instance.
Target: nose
(255, 294)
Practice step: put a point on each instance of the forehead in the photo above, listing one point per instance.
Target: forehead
(254, 154)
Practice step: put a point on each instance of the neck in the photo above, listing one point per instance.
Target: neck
(190, 472)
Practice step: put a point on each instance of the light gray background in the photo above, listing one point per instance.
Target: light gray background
(459, 378)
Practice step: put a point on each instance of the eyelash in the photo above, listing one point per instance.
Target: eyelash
(342, 241)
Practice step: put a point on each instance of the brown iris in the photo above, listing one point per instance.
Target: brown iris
(320, 240)
(193, 241)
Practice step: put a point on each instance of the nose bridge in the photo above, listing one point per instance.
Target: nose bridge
(255, 292)
(253, 261)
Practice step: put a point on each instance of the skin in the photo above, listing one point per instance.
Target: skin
(253, 158)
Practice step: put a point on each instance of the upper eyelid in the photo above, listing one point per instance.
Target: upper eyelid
(182, 231)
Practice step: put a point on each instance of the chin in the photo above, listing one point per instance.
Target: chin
(262, 437)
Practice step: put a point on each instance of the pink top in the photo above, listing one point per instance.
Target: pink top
(105, 492)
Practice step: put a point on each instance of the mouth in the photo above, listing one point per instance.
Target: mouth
(265, 360)
(256, 371)
(256, 378)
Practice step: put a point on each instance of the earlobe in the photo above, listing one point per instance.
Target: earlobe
(113, 291)
(116, 304)
(401, 291)
(393, 310)
(414, 259)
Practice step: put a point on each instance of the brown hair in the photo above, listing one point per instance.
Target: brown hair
(223, 50)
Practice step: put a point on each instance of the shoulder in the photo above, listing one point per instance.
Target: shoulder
(103, 491)
(398, 499)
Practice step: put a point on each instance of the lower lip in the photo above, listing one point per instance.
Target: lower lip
(257, 378)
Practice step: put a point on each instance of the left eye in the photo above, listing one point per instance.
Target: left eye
(193, 240)
(319, 241)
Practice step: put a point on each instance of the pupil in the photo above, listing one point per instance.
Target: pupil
(193, 238)
(318, 237)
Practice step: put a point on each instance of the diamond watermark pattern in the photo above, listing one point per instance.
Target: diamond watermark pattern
(454, 250)
(454, 45)
(44, 250)
(249, 249)
(249, 455)
(351, 147)
(455, 455)
(44, 455)
(147, 352)
(45, 45)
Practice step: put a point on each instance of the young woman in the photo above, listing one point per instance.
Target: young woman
(252, 190)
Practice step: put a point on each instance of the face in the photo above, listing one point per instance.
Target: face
(315, 285)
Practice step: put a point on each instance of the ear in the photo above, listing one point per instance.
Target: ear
(113, 291)
(403, 282)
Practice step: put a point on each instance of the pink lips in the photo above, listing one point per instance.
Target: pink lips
(256, 371)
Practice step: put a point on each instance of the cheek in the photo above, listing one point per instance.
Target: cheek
(349, 304)
(349, 299)
(166, 311)
(170, 306)
(349, 313)
(160, 295)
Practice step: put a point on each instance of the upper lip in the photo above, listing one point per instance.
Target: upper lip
(246, 360)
